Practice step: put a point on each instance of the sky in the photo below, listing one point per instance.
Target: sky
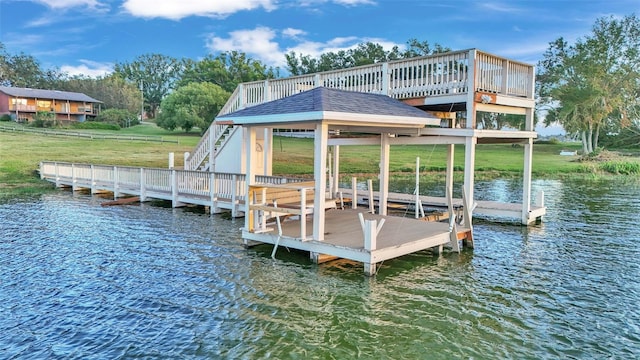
(89, 36)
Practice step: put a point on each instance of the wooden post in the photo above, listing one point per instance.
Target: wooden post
(115, 183)
(171, 160)
(234, 190)
(320, 170)
(73, 177)
(212, 144)
(249, 148)
(57, 172)
(417, 187)
(303, 216)
(370, 188)
(450, 166)
(143, 190)
(354, 191)
(336, 170)
(469, 166)
(526, 182)
(174, 188)
(213, 192)
(93, 180)
(384, 173)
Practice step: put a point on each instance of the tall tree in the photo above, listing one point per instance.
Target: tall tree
(112, 90)
(593, 82)
(363, 54)
(192, 105)
(22, 70)
(226, 70)
(156, 73)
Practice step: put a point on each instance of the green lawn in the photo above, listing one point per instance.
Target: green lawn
(21, 153)
(294, 156)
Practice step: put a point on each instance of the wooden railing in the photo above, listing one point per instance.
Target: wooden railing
(219, 190)
(433, 75)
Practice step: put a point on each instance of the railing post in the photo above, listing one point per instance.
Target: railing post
(241, 99)
(317, 81)
(234, 191)
(213, 191)
(505, 77)
(93, 180)
(143, 191)
(73, 177)
(57, 174)
(186, 166)
(303, 214)
(213, 135)
(115, 182)
(385, 79)
(267, 92)
(354, 193)
(174, 188)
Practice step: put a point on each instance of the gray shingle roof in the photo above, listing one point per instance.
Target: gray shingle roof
(47, 94)
(334, 100)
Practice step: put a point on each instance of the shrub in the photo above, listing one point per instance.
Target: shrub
(5, 117)
(621, 167)
(121, 117)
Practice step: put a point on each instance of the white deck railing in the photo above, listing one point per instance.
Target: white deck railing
(433, 75)
(218, 190)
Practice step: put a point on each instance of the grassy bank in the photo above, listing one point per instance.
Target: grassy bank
(20, 154)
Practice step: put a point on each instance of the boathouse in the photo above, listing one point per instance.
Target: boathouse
(420, 101)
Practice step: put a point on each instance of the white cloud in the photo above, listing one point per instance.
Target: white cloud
(262, 43)
(293, 33)
(65, 4)
(176, 10)
(354, 2)
(88, 68)
(258, 42)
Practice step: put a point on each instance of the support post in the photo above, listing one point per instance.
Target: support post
(93, 180)
(73, 177)
(171, 160)
(250, 144)
(384, 173)
(469, 167)
(526, 182)
(354, 192)
(336, 170)
(185, 161)
(370, 188)
(320, 169)
(417, 187)
(450, 167)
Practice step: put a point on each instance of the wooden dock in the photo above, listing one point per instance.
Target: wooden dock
(492, 209)
(344, 236)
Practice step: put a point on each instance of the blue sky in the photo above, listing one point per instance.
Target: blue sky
(89, 36)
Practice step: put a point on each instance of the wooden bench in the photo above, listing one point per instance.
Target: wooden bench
(267, 201)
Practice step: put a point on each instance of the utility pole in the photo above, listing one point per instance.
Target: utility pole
(142, 103)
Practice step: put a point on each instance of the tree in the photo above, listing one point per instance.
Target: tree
(112, 90)
(363, 54)
(226, 70)
(156, 73)
(594, 82)
(22, 70)
(121, 117)
(192, 105)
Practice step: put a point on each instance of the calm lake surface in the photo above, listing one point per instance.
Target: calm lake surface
(82, 281)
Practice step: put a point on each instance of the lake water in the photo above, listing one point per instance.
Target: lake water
(78, 280)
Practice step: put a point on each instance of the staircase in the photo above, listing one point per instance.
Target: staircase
(211, 143)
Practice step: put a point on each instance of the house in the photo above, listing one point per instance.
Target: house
(23, 103)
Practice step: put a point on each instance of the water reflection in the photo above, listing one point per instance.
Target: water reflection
(79, 280)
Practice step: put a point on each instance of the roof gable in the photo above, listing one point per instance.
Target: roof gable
(47, 94)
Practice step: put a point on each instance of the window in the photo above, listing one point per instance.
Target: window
(18, 101)
(44, 104)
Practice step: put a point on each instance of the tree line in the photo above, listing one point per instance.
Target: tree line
(591, 86)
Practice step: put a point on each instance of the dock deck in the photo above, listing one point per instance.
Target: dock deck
(344, 237)
(483, 207)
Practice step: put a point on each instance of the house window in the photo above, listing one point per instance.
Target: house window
(19, 101)
(44, 104)
(64, 107)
